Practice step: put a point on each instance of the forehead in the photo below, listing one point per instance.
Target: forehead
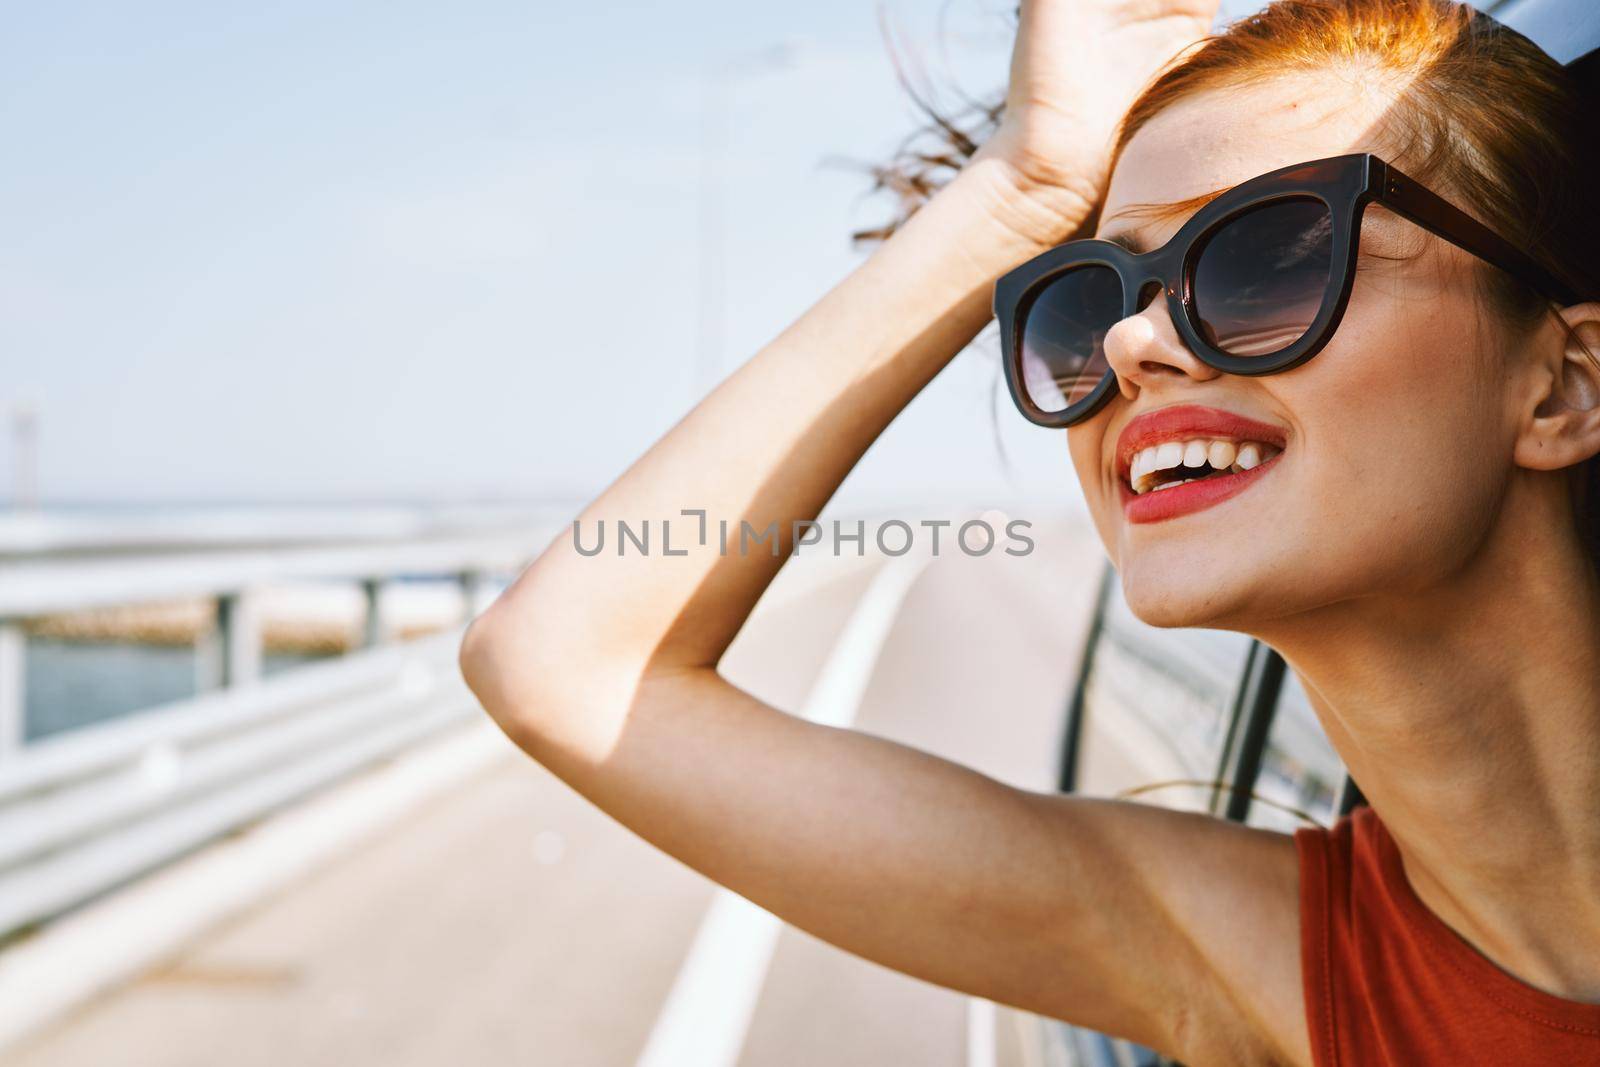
(1222, 137)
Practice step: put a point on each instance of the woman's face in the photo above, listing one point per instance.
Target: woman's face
(1396, 438)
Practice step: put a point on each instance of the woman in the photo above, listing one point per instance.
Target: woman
(1396, 507)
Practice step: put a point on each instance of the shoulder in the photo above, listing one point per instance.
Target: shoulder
(1228, 897)
(1243, 915)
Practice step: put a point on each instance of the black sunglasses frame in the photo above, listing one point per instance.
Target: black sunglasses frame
(1345, 184)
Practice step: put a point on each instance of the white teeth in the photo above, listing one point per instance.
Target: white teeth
(1230, 456)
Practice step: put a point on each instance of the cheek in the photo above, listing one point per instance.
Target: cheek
(1400, 462)
(1087, 444)
(1401, 388)
(1084, 444)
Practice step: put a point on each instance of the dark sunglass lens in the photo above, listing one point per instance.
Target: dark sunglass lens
(1261, 279)
(1063, 329)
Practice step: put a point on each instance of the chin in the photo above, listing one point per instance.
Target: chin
(1189, 585)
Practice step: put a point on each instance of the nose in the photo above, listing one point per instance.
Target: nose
(1145, 350)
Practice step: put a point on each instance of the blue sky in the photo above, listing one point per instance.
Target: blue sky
(363, 251)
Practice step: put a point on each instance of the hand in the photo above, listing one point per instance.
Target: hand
(1076, 68)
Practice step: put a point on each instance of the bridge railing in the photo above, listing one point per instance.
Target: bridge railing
(89, 808)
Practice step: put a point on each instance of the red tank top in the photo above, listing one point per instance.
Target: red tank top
(1388, 984)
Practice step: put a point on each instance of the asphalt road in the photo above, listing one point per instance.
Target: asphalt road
(510, 922)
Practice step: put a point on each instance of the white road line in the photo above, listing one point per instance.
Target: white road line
(707, 1014)
(980, 1032)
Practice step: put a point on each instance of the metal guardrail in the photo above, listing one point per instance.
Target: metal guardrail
(86, 810)
(98, 806)
(82, 574)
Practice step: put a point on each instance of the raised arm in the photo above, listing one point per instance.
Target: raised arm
(604, 668)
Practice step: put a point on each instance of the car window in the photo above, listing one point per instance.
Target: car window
(1156, 706)
(1300, 772)
(1567, 29)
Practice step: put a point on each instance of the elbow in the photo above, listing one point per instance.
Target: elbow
(495, 663)
(532, 675)
(476, 655)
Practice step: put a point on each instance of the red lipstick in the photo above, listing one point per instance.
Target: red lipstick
(1180, 422)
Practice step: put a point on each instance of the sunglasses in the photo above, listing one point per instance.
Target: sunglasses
(1256, 281)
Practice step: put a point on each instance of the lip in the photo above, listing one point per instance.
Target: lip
(1176, 423)
(1196, 420)
(1159, 504)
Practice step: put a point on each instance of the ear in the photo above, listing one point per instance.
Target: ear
(1564, 428)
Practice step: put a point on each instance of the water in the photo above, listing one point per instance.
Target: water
(75, 683)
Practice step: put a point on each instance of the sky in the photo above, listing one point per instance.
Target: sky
(363, 252)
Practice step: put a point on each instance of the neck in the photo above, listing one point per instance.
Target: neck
(1467, 714)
